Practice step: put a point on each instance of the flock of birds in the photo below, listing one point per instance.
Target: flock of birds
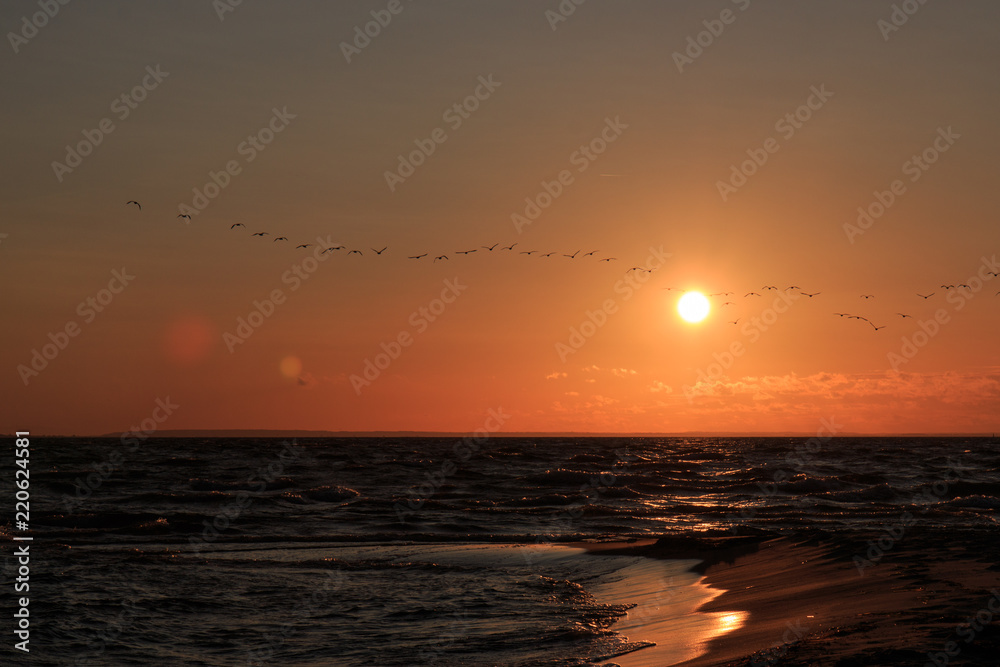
(849, 316)
(592, 253)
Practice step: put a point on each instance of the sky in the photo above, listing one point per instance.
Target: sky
(837, 149)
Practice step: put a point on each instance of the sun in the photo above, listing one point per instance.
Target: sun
(693, 307)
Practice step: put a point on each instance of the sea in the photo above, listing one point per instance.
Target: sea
(434, 551)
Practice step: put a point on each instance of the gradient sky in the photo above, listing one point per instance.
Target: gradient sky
(497, 345)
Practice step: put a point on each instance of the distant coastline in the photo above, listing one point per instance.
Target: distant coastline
(277, 433)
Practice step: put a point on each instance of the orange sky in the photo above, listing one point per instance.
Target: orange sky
(831, 103)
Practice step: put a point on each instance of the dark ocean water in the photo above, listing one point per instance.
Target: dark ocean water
(395, 551)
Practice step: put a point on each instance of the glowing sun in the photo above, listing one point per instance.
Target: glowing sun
(693, 307)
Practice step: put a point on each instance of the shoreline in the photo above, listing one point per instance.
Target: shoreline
(805, 601)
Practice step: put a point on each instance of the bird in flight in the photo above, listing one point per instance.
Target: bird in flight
(636, 268)
(877, 328)
(184, 215)
(904, 316)
(769, 287)
(573, 256)
(926, 296)
(548, 254)
(608, 259)
(736, 320)
(963, 285)
(729, 303)
(841, 314)
(509, 247)
(304, 245)
(527, 252)
(379, 252)
(417, 256)
(261, 233)
(440, 257)
(792, 287)
(134, 202)
(867, 296)
(356, 251)
(810, 295)
(750, 294)
(280, 238)
(238, 224)
(589, 253)
(489, 247)
(464, 252)
(947, 286)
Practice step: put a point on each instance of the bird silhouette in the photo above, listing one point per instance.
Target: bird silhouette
(810, 295)
(867, 296)
(134, 202)
(417, 256)
(464, 252)
(736, 320)
(548, 254)
(769, 287)
(729, 303)
(280, 238)
(356, 252)
(573, 256)
(590, 253)
(238, 224)
(750, 294)
(184, 215)
(262, 233)
(304, 245)
(509, 247)
(527, 252)
(440, 257)
(904, 316)
(608, 259)
(379, 252)
(489, 247)
(877, 328)
(922, 296)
